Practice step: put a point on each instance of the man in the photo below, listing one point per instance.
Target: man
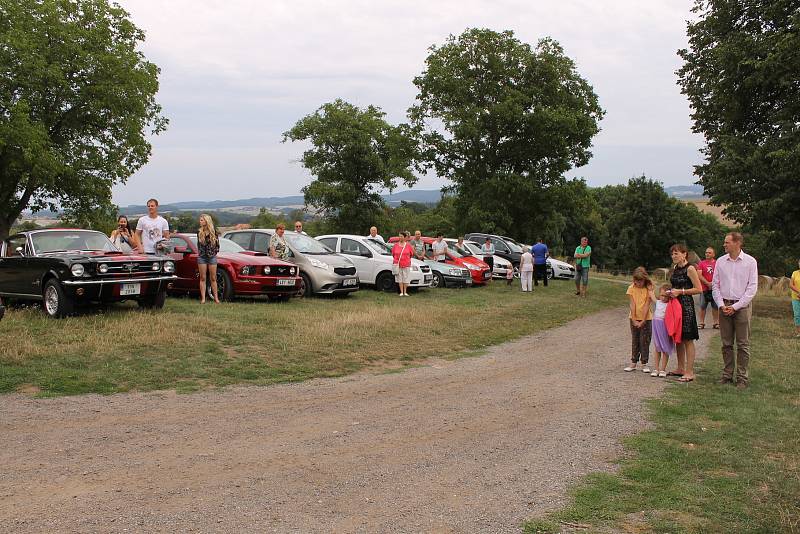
(277, 244)
(419, 246)
(540, 253)
(439, 248)
(151, 228)
(733, 287)
(706, 270)
(373, 234)
(298, 227)
(583, 253)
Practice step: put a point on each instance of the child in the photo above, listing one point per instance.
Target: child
(661, 338)
(640, 293)
(510, 277)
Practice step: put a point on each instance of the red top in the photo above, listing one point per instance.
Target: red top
(706, 269)
(673, 320)
(402, 254)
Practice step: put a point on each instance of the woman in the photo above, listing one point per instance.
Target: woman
(277, 244)
(207, 250)
(401, 262)
(487, 249)
(525, 271)
(124, 238)
(685, 283)
(794, 285)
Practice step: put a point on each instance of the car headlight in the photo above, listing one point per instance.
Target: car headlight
(455, 272)
(156, 266)
(414, 268)
(245, 270)
(319, 264)
(292, 271)
(267, 269)
(169, 267)
(472, 267)
(77, 270)
(102, 268)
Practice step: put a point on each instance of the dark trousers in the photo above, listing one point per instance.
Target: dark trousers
(540, 272)
(489, 260)
(640, 342)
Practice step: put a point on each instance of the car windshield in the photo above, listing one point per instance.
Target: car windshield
(225, 245)
(474, 249)
(377, 246)
(515, 247)
(306, 245)
(454, 250)
(64, 240)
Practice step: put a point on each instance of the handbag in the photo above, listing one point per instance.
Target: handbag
(396, 266)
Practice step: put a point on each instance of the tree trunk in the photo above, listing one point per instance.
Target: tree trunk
(5, 227)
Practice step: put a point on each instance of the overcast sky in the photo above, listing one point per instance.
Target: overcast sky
(235, 74)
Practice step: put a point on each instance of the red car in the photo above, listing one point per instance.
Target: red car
(478, 269)
(239, 272)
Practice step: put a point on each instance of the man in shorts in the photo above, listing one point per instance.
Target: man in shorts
(583, 254)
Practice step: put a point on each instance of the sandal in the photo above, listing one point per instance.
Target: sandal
(716, 326)
(673, 373)
(702, 326)
(685, 380)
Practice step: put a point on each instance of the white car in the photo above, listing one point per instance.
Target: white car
(560, 269)
(471, 248)
(373, 261)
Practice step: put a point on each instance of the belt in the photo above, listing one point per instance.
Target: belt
(729, 302)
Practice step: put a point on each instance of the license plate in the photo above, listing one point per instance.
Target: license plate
(130, 289)
(428, 278)
(286, 282)
(350, 282)
(469, 281)
(487, 274)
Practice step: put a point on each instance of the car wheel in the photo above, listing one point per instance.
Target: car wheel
(278, 298)
(438, 280)
(155, 302)
(385, 282)
(550, 274)
(224, 285)
(56, 302)
(306, 289)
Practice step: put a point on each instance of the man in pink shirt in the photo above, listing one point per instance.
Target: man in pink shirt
(706, 270)
(733, 286)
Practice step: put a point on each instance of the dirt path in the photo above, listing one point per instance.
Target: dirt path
(476, 445)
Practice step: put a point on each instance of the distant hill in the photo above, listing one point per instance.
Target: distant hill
(685, 191)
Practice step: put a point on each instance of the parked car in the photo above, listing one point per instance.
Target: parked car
(505, 247)
(65, 268)
(322, 270)
(560, 270)
(478, 270)
(501, 265)
(449, 275)
(373, 261)
(239, 272)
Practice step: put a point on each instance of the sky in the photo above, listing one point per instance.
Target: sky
(236, 74)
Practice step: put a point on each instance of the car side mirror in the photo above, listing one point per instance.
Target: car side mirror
(20, 251)
(182, 250)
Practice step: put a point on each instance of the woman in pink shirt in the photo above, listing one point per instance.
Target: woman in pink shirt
(401, 263)
(706, 270)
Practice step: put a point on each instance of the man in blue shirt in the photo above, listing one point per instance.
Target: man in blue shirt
(540, 254)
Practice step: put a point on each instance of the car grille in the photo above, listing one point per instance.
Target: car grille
(128, 267)
(345, 271)
(281, 270)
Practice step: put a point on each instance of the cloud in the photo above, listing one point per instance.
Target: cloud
(236, 74)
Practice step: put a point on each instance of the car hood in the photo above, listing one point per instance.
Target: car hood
(558, 263)
(99, 256)
(334, 260)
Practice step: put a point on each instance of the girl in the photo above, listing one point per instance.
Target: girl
(685, 283)
(401, 262)
(640, 293)
(207, 249)
(124, 238)
(509, 276)
(661, 338)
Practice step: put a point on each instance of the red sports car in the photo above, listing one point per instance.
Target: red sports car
(478, 269)
(239, 272)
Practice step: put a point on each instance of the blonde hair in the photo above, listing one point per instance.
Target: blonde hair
(640, 274)
(208, 230)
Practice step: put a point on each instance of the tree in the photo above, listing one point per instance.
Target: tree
(264, 219)
(502, 122)
(77, 100)
(101, 218)
(741, 75)
(354, 155)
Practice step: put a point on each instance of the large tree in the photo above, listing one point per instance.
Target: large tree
(503, 122)
(742, 78)
(77, 101)
(354, 155)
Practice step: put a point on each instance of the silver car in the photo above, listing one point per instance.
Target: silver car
(322, 270)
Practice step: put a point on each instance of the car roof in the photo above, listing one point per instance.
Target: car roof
(349, 236)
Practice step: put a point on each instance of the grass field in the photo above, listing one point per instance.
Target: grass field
(718, 459)
(188, 346)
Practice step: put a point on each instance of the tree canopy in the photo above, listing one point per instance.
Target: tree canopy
(503, 121)
(741, 74)
(354, 155)
(77, 102)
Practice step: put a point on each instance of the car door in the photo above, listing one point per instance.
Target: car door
(185, 264)
(330, 242)
(361, 257)
(243, 239)
(13, 266)
(260, 242)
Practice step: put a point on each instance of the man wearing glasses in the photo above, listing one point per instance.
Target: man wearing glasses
(298, 227)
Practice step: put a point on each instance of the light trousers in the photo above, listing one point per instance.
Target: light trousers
(526, 279)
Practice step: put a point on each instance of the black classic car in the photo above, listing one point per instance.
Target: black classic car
(65, 268)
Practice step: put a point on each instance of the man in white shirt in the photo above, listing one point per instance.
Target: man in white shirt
(733, 287)
(373, 234)
(152, 228)
(439, 248)
(298, 227)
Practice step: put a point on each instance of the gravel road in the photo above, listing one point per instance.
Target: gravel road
(475, 445)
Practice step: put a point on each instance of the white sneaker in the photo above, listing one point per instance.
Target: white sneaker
(654, 373)
(662, 374)
(645, 369)
(629, 369)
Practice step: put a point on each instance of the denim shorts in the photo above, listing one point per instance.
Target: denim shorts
(582, 276)
(706, 300)
(796, 310)
(206, 261)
